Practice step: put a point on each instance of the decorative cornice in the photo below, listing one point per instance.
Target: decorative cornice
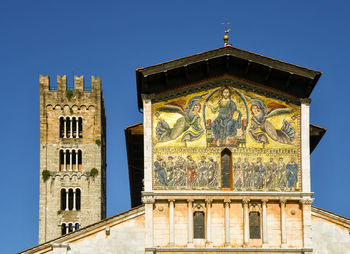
(245, 201)
(224, 250)
(148, 200)
(264, 201)
(221, 82)
(283, 201)
(306, 101)
(306, 201)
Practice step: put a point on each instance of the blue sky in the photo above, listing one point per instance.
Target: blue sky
(113, 38)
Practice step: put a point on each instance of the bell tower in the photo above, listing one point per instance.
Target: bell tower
(72, 156)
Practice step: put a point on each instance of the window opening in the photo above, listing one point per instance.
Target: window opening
(226, 167)
(63, 199)
(198, 224)
(77, 199)
(70, 199)
(63, 229)
(254, 225)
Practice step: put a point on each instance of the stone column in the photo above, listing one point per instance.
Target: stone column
(190, 223)
(77, 127)
(71, 127)
(149, 203)
(147, 142)
(76, 160)
(65, 160)
(67, 197)
(227, 222)
(171, 222)
(74, 199)
(70, 160)
(283, 223)
(64, 127)
(307, 221)
(305, 145)
(245, 222)
(264, 224)
(208, 205)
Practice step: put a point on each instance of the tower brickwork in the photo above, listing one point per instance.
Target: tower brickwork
(72, 156)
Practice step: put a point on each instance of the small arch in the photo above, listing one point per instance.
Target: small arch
(57, 107)
(76, 226)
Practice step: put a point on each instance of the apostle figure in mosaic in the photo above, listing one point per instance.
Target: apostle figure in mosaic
(292, 173)
(271, 167)
(282, 174)
(247, 174)
(192, 173)
(180, 173)
(159, 168)
(202, 172)
(170, 171)
(190, 117)
(228, 122)
(238, 173)
(259, 174)
(261, 128)
(212, 173)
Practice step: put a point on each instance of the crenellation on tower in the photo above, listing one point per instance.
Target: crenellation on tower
(72, 138)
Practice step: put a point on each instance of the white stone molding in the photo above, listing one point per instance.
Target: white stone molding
(208, 203)
(305, 145)
(227, 203)
(147, 142)
(60, 248)
(245, 202)
(264, 223)
(190, 223)
(283, 202)
(171, 221)
(307, 221)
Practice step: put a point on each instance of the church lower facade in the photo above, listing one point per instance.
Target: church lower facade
(220, 164)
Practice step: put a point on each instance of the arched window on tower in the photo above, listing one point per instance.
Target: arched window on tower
(70, 199)
(80, 125)
(198, 225)
(63, 199)
(80, 160)
(61, 127)
(61, 160)
(68, 127)
(254, 225)
(76, 226)
(226, 169)
(63, 229)
(77, 199)
(70, 227)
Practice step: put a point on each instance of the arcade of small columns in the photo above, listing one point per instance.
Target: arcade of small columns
(246, 202)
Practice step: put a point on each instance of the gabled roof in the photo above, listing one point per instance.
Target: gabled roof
(294, 80)
(98, 226)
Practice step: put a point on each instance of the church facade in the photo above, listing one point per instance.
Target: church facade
(220, 164)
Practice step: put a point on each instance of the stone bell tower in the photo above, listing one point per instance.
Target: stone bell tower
(72, 156)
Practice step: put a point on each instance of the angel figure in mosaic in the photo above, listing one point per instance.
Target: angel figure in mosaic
(190, 118)
(261, 128)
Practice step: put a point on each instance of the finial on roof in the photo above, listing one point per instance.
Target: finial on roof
(227, 30)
